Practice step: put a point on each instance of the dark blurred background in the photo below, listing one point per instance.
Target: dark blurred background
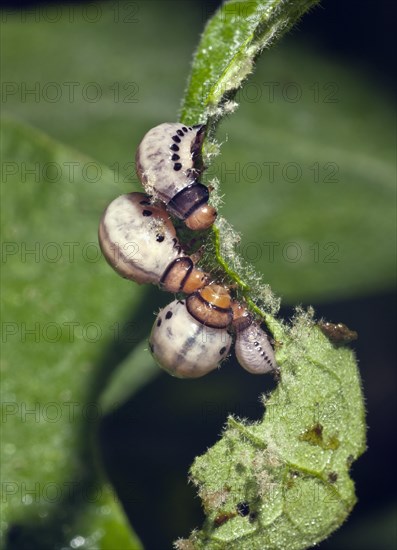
(367, 36)
(153, 499)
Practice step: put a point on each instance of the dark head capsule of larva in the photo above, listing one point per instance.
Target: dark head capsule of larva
(169, 163)
(139, 241)
(184, 347)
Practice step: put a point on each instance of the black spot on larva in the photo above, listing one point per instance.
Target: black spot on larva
(159, 322)
(168, 315)
(243, 509)
(222, 350)
(175, 157)
(160, 238)
(147, 213)
(174, 147)
(177, 166)
(190, 128)
(145, 202)
(256, 344)
(184, 128)
(181, 302)
(151, 347)
(177, 139)
(179, 132)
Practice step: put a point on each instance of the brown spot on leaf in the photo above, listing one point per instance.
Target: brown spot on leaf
(314, 436)
(338, 333)
(332, 477)
(223, 518)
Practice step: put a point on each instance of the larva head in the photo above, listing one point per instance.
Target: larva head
(182, 276)
(191, 205)
(211, 306)
(137, 238)
(184, 347)
(241, 317)
(217, 295)
(202, 218)
(254, 351)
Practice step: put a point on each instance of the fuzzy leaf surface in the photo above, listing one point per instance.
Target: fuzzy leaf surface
(55, 333)
(283, 482)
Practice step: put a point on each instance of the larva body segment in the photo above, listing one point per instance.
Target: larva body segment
(211, 306)
(183, 346)
(166, 157)
(252, 346)
(139, 241)
(169, 163)
(254, 351)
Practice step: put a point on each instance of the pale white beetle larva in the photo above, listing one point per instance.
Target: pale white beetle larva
(139, 241)
(253, 349)
(183, 346)
(168, 163)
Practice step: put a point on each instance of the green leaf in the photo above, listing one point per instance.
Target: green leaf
(283, 482)
(308, 189)
(323, 235)
(55, 332)
(232, 40)
(127, 378)
(320, 233)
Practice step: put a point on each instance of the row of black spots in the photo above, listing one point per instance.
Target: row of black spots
(174, 147)
(262, 353)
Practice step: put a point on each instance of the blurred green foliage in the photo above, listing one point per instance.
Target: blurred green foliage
(55, 332)
(326, 131)
(307, 164)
